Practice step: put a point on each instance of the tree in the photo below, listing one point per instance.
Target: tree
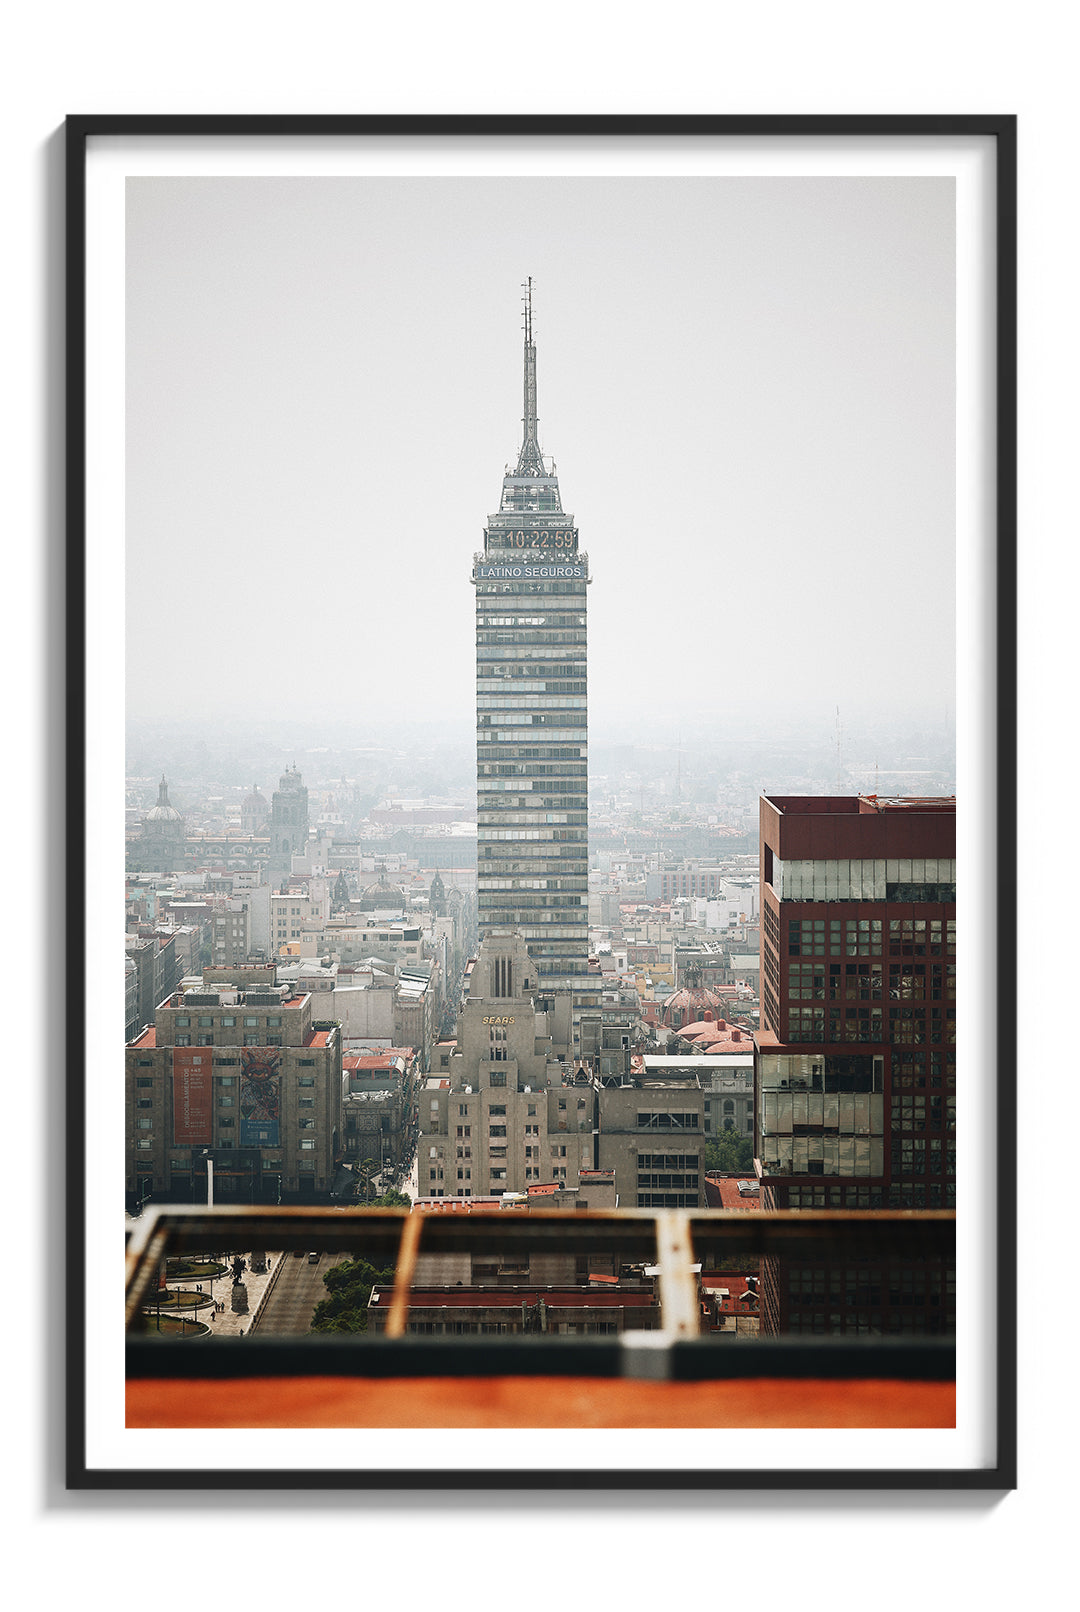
(348, 1289)
(730, 1154)
(391, 1199)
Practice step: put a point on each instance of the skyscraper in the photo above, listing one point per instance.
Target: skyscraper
(856, 1056)
(531, 726)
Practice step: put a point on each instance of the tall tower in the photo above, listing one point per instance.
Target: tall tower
(531, 728)
(288, 820)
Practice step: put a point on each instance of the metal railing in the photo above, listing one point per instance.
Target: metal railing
(677, 1244)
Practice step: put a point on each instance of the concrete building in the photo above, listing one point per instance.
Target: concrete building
(161, 836)
(288, 821)
(379, 1107)
(730, 888)
(728, 1083)
(294, 917)
(501, 1109)
(158, 968)
(231, 933)
(595, 1310)
(242, 1084)
(651, 1133)
(531, 715)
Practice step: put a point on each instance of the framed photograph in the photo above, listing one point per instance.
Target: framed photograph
(395, 444)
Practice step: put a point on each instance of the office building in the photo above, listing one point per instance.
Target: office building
(855, 1079)
(501, 1109)
(531, 724)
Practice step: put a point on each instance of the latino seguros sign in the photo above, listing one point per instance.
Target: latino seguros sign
(527, 573)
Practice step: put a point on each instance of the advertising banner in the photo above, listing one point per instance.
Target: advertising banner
(260, 1096)
(524, 572)
(193, 1091)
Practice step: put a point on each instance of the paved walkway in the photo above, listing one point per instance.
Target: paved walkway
(227, 1322)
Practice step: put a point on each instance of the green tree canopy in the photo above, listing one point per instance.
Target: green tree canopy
(729, 1153)
(348, 1288)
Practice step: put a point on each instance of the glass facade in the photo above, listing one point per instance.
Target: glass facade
(866, 879)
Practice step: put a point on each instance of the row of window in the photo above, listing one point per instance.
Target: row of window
(551, 618)
(147, 1081)
(505, 813)
(865, 982)
(665, 1120)
(684, 1183)
(307, 1145)
(207, 1021)
(206, 1039)
(530, 701)
(571, 793)
(863, 879)
(552, 752)
(504, 638)
(852, 937)
(563, 730)
(915, 1113)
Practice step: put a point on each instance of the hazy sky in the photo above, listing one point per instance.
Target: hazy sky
(747, 386)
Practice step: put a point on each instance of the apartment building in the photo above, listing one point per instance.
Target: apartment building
(234, 1092)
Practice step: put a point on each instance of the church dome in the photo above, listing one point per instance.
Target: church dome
(381, 894)
(163, 812)
(690, 1004)
(255, 802)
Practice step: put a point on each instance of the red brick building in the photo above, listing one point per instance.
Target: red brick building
(855, 1074)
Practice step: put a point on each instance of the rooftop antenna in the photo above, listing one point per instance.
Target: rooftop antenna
(530, 462)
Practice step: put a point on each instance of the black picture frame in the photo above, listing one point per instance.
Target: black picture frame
(1001, 130)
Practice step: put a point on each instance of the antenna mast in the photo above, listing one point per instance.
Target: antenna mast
(530, 462)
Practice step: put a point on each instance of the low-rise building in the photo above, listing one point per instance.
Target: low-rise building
(651, 1133)
(728, 1082)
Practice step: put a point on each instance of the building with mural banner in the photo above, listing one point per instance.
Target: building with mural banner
(235, 1093)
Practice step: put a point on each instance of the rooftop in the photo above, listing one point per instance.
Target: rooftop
(837, 805)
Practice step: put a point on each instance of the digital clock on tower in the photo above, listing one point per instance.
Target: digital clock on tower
(556, 538)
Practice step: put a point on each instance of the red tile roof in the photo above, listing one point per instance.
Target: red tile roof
(717, 1034)
(486, 1298)
(722, 1192)
(738, 1289)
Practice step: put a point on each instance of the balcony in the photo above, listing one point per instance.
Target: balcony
(672, 1376)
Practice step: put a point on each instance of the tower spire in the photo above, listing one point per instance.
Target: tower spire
(530, 461)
